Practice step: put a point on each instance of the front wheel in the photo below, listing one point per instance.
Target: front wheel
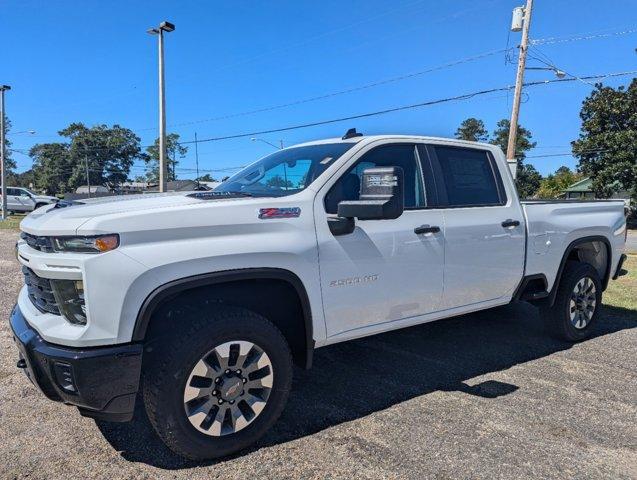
(219, 385)
(577, 302)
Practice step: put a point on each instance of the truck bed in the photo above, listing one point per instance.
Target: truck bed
(553, 225)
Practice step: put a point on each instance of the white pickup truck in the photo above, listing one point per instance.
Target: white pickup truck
(203, 301)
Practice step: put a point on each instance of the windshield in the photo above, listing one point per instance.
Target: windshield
(285, 172)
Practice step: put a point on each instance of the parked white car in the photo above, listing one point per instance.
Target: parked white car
(22, 200)
(204, 300)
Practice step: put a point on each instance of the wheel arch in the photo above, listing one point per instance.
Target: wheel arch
(573, 248)
(172, 290)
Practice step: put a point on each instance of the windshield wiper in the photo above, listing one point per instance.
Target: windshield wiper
(212, 194)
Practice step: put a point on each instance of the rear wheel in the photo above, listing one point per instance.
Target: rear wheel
(220, 385)
(577, 302)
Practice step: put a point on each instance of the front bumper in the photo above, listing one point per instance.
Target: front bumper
(101, 381)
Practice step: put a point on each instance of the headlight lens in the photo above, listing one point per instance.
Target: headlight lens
(97, 244)
(69, 296)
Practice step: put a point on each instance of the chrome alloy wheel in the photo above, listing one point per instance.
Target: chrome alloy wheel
(582, 303)
(228, 388)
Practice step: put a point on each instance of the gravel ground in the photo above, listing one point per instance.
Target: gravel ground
(481, 396)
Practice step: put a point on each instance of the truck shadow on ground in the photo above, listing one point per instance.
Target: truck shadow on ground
(354, 379)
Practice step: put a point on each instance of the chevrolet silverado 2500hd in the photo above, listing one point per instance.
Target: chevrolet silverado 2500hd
(203, 301)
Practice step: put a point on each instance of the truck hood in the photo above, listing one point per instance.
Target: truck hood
(65, 218)
(45, 198)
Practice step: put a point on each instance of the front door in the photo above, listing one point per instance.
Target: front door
(384, 271)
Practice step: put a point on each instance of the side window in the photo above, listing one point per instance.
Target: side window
(469, 177)
(13, 191)
(399, 155)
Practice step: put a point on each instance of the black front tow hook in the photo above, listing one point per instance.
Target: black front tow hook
(22, 363)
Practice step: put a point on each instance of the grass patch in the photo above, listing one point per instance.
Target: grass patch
(11, 223)
(623, 291)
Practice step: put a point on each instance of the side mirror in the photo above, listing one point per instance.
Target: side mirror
(381, 198)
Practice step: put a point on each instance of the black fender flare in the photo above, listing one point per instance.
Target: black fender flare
(174, 287)
(579, 241)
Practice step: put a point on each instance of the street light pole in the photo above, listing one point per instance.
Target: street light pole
(159, 31)
(3, 159)
(517, 95)
(254, 139)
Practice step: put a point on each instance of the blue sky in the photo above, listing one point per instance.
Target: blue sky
(92, 61)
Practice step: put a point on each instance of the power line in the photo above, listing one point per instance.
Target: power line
(391, 110)
(339, 92)
(579, 37)
(465, 96)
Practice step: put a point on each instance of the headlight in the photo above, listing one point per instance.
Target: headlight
(69, 296)
(97, 244)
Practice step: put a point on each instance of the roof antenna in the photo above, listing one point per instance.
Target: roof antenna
(351, 133)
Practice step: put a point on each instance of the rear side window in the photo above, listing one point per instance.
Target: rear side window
(469, 177)
(395, 155)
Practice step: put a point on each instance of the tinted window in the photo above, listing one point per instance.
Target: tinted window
(13, 191)
(468, 176)
(400, 155)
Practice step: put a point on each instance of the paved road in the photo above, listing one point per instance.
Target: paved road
(482, 396)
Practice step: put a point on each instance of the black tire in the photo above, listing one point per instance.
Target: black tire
(557, 319)
(170, 365)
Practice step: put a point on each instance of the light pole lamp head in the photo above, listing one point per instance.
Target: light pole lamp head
(152, 31)
(166, 26)
(4, 87)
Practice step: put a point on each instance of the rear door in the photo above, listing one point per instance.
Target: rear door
(484, 226)
(13, 200)
(23, 200)
(384, 271)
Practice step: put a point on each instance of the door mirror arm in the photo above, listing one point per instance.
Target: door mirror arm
(340, 225)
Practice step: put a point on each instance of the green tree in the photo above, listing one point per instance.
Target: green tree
(473, 130)
(174, 150)
(277, 181)
(207, 178)
(607, 144)
(527, 177)
(554, 184)
(51, 167)
(107, 152)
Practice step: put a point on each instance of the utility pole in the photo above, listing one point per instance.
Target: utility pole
(519, 80)
(159, 31)
(88, 182)
(197, 158)
(3, 159)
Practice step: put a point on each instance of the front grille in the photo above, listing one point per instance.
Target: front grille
(43, 244)
(40, 292)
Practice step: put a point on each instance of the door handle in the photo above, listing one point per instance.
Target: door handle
(426, 229)
(510, 223)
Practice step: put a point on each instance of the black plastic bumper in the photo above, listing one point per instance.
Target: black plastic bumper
(101, 381)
